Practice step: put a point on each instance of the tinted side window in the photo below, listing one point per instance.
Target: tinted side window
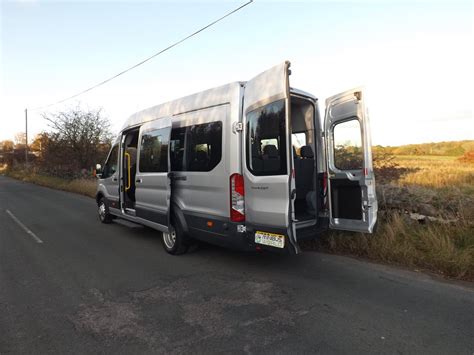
(154, 151)
(266, 140)
(110, 166)
(196, 147)
(177, 148)
(203, 146)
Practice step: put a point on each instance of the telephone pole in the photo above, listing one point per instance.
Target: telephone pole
(26, 136)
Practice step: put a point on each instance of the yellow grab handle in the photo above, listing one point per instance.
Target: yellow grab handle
(129, 180)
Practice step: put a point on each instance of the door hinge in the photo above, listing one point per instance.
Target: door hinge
(238, 127)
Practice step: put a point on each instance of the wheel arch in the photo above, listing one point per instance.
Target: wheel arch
(177, 213)
(98, 196)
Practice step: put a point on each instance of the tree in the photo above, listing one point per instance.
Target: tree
(39, 142)
(77, 140)
(20, 140)
(7, 146)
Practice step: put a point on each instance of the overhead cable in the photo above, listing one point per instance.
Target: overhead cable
(145, 60)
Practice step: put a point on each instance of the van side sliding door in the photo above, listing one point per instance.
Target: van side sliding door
(266, 159)
(352, 199)
(153, 189)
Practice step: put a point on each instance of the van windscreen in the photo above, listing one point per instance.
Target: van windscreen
(266, 140)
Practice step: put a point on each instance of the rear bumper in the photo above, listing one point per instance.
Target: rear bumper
(239, 236)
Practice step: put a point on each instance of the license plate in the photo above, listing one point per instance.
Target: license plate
(271, 239)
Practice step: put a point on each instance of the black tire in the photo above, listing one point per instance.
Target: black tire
(176, 242)
(103, 211)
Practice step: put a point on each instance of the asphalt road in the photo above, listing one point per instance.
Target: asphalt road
(94, 288)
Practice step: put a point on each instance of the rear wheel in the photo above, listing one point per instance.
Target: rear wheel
(175, 241)
(103, 210)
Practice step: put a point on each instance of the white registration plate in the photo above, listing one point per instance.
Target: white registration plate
(271, 239)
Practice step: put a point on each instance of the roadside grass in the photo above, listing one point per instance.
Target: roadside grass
(439, 188)
(446, 249)
(85, 187)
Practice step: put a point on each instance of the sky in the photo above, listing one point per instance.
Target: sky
(415, 58)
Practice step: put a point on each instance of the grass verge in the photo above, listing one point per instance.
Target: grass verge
(446, 249)
(85, 187)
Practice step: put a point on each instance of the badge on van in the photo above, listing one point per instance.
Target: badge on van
(271, 239)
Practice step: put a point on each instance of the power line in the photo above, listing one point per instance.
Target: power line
(147, 59)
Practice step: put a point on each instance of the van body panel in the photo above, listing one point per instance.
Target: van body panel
(198, 191)
(351, 184)
(208, 98)
(153, 190)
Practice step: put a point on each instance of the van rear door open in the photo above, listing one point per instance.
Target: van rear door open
(153, 189)
(266, 158)
(351, 184)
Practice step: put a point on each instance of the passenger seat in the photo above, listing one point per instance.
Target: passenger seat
(306, 172)
(271, 158)
(257, 162)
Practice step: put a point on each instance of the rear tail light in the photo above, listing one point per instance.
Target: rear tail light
(237, 198)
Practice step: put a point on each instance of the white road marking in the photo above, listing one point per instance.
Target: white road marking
(25, 228)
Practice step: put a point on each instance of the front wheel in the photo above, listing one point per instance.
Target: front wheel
(174, 241)
(103, 210)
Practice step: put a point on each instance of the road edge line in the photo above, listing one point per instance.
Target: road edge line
(25, 228)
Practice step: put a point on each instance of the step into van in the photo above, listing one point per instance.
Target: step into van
(248, 165)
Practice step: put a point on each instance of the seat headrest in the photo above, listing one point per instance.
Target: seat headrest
(270, 150)
(201, 155)
(307, 152)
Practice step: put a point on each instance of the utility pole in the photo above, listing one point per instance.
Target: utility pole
(26, 136)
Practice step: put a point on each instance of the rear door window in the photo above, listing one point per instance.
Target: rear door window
(266, 140)
(348, 152)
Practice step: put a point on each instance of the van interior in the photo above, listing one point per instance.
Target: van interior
(129, 168)
(304, 158)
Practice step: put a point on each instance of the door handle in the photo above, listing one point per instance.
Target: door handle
(139, 181)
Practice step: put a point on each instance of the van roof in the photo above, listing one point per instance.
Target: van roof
(211, 97)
